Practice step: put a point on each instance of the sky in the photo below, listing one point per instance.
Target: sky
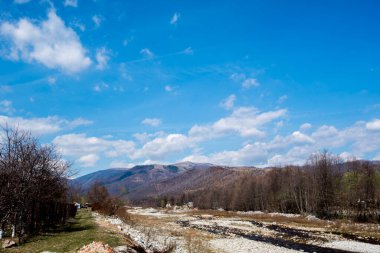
(113, 84)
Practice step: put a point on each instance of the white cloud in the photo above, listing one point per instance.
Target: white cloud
(162, 147)
(249, 154)
(152, 122)
(51, 80)
(237, 77)
(246, 82)
(121, 164)
(124, 72)
(228, 103)
(298, 137)
(282, 99)
(79, 145)
(245, 121)
(49, 43)
(373, 125)
(6, 107)
(175, 18)
(88, 160)
(325, 132)
(280, 123)
(101, 87)
(102, 58)
(42, 126)
(147, 53)
(250, 82)
(78, 25)
(145, 137)
(305, 126)
(347, 156)
(296, 147)
(97, 20)
(168, 88)
(188, 51)
(71, 3)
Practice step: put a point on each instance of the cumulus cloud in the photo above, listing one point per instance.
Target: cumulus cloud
(237, 77)
(228, 103)
(6, 107)
(175, 18)
(373, 125)
(357, 140)
(146, 52)
(246, 82)
(71, 3)
(305, 126)
(88, 160)
(79, 145)
(145, 137)
(162, 147)
(245, 121)
(50, 43)
(42, 126)
(152, 122)
(102, 58)
(250, 82)
(257, 147)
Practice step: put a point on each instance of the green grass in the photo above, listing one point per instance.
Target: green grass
(77, 232)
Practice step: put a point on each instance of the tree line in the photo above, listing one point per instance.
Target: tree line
(325, 186)
(33, 187)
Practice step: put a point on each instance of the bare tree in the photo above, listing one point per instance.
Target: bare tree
(32, 180)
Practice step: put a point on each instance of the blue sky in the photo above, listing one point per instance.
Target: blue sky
(117, 83)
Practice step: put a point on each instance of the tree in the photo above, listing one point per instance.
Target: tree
(32, 183)
(101, 200)
(324, 167)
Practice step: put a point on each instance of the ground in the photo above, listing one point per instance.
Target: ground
(193, 231)
(79, 231)
(239, 232)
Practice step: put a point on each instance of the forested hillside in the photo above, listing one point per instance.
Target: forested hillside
(325, 186)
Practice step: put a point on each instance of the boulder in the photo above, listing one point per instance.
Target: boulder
(7, 243)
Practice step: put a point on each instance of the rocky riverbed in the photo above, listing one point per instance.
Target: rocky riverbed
(197, 231)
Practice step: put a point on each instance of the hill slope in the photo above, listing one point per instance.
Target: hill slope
(141, 176)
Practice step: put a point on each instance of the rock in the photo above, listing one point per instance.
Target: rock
(8, 243)
(124, 249)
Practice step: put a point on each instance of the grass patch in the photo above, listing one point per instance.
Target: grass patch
(71, 237)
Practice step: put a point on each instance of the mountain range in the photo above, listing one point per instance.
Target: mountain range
(152, 181)
(138, 181)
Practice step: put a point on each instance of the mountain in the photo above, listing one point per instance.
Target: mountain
(119, 180)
